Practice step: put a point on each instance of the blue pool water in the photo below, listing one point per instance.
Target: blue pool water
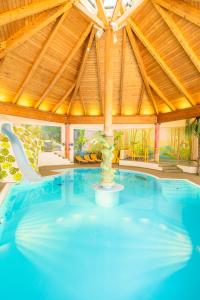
(56, 244)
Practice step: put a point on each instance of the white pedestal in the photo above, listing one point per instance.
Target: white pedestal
(107, 197)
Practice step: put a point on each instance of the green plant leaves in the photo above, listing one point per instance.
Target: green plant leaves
(2, 159)
(13, 170)
(4, 151)
(18, 176)
(3, 174)
(10, 158)
(6, 165)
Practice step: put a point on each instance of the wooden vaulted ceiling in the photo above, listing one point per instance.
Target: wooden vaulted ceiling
(52, 59)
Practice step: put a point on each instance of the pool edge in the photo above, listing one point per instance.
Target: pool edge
(62, 172)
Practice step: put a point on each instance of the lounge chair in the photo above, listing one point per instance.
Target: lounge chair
(87, 157)
(79, 159)
(115, 157)
(94, 157)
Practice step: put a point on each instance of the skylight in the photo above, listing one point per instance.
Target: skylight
(109, 5)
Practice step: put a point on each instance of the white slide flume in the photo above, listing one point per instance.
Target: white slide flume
(28, 172)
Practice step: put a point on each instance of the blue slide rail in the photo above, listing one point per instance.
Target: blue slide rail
(28, 172)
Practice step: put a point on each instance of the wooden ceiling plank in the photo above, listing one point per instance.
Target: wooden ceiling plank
(63, 99)
(90, 16)
(179, 36)
(141, 66)
(184, 10)
(99, 74)
(84, 62)
(28, 31)
(101, 12)
(28, 10)
(108, 82)
(39, 57)
(65, 63)
(82, 102)
(140, 99)
(122, 70)
(30, 113)
(82, 68)
(182, 114)
(160, 61)
(161, 95)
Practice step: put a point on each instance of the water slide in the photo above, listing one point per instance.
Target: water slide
(28, 172)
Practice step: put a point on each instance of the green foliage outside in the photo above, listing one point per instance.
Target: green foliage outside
(51, 133)
(80, 141)
(46, 133)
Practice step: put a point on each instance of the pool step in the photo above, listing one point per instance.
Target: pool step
(171, 168)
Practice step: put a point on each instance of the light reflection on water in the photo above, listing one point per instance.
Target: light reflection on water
(57, 244)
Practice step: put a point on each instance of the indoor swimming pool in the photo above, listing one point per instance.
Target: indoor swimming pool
(57, 244)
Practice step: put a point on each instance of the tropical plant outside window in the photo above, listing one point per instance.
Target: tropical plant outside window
(192, 128)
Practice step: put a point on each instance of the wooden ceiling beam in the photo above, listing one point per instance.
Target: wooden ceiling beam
(121, 21)
(121, 96)
(39, 57)
(65, 63)
(140, 99)
(152, 119)
(108, 82)
(69, 106)
(63, 99)
(90, 16)
(141, 67)
(182, 114)
(101, 12)
(161, 95)
(179, 36)
(28, 31)
(30, 113)
(184, 10)
(29, 10)
(152, 50)
(117, 10)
